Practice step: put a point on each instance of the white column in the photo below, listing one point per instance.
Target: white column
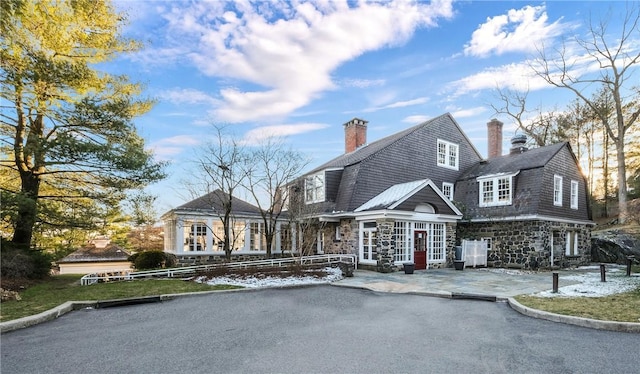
(278, 244)
(209, 239)
(247, 235)
(179, 241)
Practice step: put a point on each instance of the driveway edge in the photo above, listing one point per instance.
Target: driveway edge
(70, 306)
(578, 321)
(45, 316)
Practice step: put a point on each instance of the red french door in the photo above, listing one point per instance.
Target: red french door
(420, 249)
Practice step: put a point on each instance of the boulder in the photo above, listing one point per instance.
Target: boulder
(614, 246)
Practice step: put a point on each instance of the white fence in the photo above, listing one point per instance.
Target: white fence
(191, 270)
(475, 252)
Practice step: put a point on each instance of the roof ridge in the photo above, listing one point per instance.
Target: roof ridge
(391, 139)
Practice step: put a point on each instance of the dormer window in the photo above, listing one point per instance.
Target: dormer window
(495, 189)
(314, 188)
(447, 154)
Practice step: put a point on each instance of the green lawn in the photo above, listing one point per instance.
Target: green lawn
(59, 289)
(622, 307)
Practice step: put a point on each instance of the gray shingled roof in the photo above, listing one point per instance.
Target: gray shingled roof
(212, 202)
(371, 149)
(511, 163)
(90, 253)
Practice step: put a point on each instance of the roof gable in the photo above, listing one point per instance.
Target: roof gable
(213, 202)
(511, 163)
(91, 253)
(371, 149)
(394, 197)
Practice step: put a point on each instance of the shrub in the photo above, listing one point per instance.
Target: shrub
(17, 262)
(152, 260)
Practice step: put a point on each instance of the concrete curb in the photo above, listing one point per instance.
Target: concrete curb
(45, 316)
(578, 321)
(70, 306)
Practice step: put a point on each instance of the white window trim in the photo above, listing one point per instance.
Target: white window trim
(568, 241)
(446, 163)
(557, 182)
(338, 233)
(574, 194)
(450, 185)
(317, 197)
(494, 178)
(361, 248)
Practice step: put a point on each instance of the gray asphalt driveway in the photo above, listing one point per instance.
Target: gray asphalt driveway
(320, 329)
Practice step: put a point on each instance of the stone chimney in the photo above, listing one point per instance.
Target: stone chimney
(494, 132)
(518, 144)
(355, 134)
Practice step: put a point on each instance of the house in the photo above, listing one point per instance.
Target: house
(99, 256)
(194, 231)
(412, 196)
(390, 201)
(531, 206)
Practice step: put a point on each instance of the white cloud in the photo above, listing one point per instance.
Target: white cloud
(399, 104)
(362, 83)
(516, 76)
(187, 96)
(167, 148)
(520, 30)
(276, 131)
(465, 113)
(415, 119)
(289, 50)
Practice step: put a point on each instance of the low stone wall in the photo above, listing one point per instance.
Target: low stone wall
(194, 260)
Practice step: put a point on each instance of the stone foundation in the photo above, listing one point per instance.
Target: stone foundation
(528, 244)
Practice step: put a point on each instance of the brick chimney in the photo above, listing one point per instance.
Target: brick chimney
(355, 134)
(494, 132)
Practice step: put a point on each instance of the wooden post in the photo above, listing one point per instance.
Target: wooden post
(555, 282)
(629, 261)
(603, 277)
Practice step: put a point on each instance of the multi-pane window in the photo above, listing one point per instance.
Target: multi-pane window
(257, 240)
(496, 190)
(447, 190)
(403, 242)
(314, 188)
(436, 243)
(286, 240)
(196, 237)
(557, 190)
(574, 194)
(447, 155)
(571, 244)
(369, 241)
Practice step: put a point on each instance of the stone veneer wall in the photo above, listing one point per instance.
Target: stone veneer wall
(209, 259)
(348, 242)
(527, 244)
(452, 234)
(385, 245)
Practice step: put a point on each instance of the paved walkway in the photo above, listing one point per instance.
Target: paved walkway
(501, 283)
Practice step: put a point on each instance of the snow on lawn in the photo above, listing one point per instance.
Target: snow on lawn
(589, 284)
(333, 274)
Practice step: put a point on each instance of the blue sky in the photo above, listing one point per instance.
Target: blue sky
(301, 70)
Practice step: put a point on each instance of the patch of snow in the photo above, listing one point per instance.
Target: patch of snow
(589, 285)
(504, 271)
(333, 274)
